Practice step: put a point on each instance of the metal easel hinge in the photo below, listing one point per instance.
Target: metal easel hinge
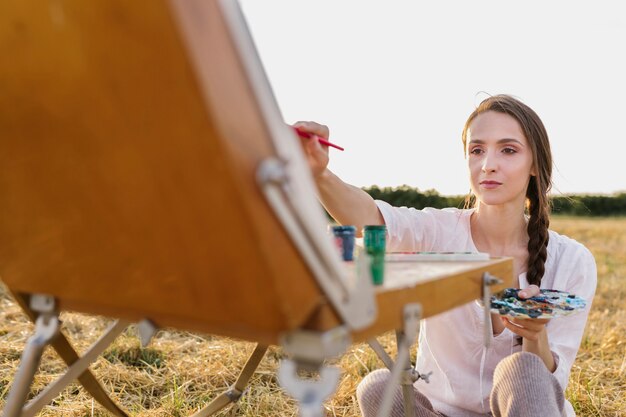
(308, 351)
(488, 281)
(146, 329)
(355, 303)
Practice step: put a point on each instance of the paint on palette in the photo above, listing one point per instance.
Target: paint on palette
(547, 305)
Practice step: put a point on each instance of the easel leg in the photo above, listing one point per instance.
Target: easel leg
(401, 371)
(233, 394)
(46, 328)
(380, 352)
(406, 382)
(69, 356)
(77, 368)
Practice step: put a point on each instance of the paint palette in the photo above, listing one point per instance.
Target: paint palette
(547, 305)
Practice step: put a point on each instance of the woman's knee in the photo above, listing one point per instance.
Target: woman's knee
(519, 364)
(371, 390)
(522, 385)
(373, 385)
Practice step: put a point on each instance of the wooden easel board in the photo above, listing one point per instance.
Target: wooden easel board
(130, 138)
(127, 188)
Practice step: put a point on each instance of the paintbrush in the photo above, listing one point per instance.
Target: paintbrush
(321, 140)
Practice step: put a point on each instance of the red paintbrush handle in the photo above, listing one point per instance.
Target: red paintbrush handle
(319, 139)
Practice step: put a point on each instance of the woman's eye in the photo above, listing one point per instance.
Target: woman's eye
(509, 150)
(476, 151)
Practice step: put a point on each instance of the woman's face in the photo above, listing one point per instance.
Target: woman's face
(499, 157)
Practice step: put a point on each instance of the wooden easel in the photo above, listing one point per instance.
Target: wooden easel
(147, 175)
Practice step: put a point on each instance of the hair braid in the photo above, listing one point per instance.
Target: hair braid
(538, 224)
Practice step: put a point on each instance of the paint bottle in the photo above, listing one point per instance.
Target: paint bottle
(374, 240)
(344, 239)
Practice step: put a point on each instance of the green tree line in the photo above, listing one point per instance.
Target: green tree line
(571, 204)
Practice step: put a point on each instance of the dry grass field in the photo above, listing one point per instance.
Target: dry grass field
(180, 371)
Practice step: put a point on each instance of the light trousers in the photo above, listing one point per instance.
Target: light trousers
(522, 387)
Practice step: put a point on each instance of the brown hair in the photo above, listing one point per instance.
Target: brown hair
(537, 201)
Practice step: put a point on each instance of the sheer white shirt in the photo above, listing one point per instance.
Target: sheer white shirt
(451, 344)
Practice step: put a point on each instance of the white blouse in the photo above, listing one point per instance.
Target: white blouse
(451, 343)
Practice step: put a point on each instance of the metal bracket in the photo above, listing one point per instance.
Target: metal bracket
(415, 376)
(356, 304)
(42, 303)
(273, 171)
(309, 350)
(146, 329)
(309, 393)
(233, 394)
(46, 329)
(315, 347)
(488, 281)
(412, 316)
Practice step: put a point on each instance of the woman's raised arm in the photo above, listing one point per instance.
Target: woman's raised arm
(346, 203)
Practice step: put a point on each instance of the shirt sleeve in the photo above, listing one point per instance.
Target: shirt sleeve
(408, 229)
(565, 333)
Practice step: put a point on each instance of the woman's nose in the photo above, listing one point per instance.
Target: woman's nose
(489, 162)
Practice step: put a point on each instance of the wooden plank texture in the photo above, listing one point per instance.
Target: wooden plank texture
(436, 286)
(121, 191)
(129, 151)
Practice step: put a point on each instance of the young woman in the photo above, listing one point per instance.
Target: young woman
(525, 370)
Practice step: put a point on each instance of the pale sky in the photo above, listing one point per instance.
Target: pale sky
(395, 81)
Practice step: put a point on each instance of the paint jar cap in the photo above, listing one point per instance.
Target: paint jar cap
(344, 228)
(375, 227)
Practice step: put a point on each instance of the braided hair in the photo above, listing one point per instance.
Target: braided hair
(537, 201)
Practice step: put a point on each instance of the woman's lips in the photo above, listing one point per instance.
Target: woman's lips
(490, 184)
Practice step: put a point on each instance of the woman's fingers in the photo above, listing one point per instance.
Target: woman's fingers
(531, 324)
(520, 331)
(526, 328)
(530, 291)
(316, 154)
(314, 128)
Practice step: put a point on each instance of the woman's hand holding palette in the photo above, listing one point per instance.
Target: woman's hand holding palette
(547, 305)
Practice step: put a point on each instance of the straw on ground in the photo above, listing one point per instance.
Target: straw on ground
(180, 371)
